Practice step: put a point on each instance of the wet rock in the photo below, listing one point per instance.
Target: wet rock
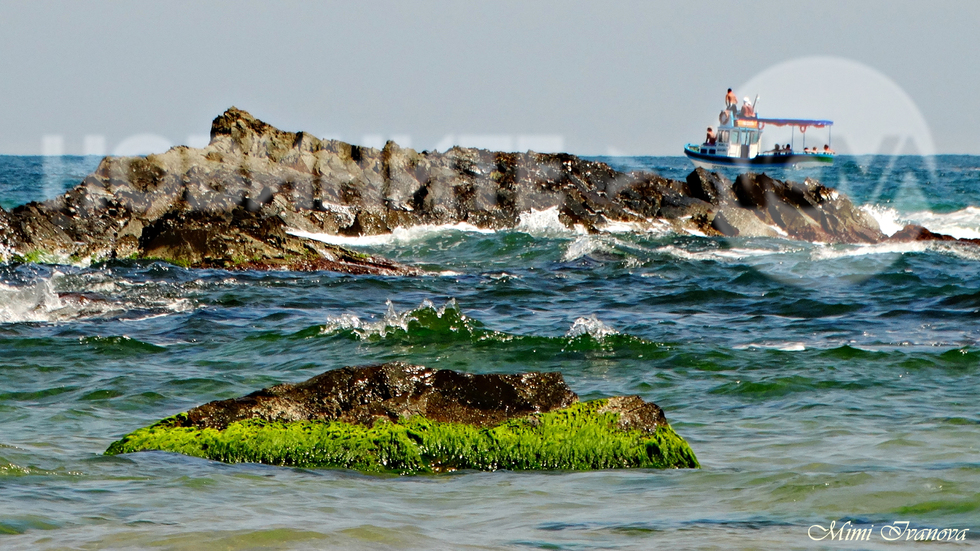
(233, 202)
(807, 211)
(406, 418)
(394, 390)
(913, 232)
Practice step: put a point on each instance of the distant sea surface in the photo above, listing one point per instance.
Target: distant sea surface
(815, 382)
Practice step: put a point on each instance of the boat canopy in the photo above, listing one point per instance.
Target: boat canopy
(797, 122)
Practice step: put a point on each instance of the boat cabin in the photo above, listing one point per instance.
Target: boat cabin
(739, 138)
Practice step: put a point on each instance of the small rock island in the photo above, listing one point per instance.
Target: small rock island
(409, 419)
(244, 200)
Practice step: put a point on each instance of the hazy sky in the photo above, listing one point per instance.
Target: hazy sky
(632, 77)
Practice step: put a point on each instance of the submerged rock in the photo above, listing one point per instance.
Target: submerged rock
(242, 201)
(409, 419)
(914, 232)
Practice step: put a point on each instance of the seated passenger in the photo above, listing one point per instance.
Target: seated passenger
(710, 139)
(827, 150)
(747, 110)
(806, 150)
(788, 150)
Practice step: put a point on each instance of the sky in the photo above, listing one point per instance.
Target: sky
(636, 78)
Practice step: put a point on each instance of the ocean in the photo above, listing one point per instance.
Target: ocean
(818, 384)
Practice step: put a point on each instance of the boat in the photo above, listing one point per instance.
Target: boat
(737, 144)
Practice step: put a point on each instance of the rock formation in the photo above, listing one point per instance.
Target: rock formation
(233, 203)
(410, 419)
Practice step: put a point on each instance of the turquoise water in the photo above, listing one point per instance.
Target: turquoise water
(814, 382)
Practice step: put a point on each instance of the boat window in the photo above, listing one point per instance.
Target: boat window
(745, 138)
(735, 134)
(724, 136)
(755, 137)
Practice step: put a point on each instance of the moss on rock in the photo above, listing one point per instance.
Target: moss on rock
(582, 436)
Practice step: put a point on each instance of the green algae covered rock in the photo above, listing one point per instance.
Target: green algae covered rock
(422, 421)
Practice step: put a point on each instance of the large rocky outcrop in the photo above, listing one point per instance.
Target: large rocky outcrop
(233, 203)
(409, 419)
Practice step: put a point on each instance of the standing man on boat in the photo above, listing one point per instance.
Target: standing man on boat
(730, 99)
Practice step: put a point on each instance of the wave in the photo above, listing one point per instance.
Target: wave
(587, 245)
(447, 324)
(60, 297)
(794, 346)
(889, 220)
(536, 223)
(961, 224)
(30, 303)
(545, 223)
(738, 254)
(121, 345)
(12, 469)
(400, 235)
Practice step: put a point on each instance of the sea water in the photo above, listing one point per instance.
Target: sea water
(817, 383)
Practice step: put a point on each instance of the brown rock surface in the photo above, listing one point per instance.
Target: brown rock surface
(395, 389)
(234, 203)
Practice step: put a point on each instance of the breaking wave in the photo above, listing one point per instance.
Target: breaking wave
(545, 223)
(60, 297)
(448, 324)
(400, 235)
(961, 224)
(889, 220)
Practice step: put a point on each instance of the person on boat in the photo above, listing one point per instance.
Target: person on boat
(730, 99)
(710, 138)
(806, 150)
(827, 150)
(789, 150)
(747, 110)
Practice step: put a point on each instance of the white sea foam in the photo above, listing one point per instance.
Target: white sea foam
(393, 320)
(36, 302)
(779, 231)
(621, 227)
(61, 297)
(734, 254)
(962, 224)
(592, 326)
(784, 346)
(968, 252)
(584, 245)
(889, 220)
(846, 251)
(659, 227)
(399, 235)
(544, 223)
